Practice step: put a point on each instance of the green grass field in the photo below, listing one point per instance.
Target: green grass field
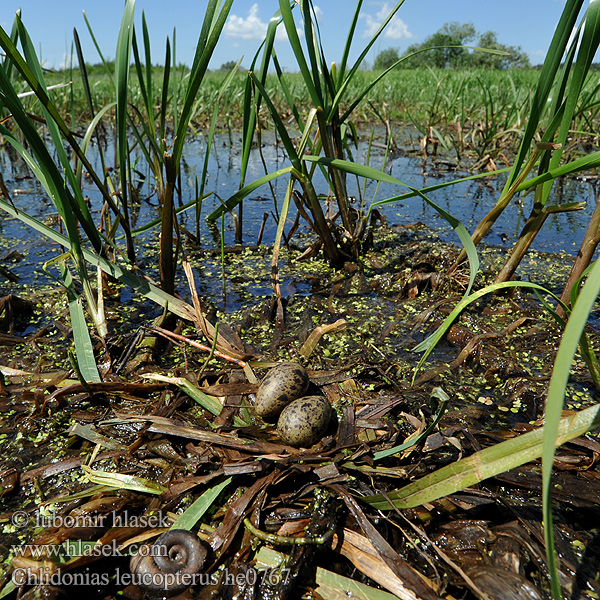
(475, 111)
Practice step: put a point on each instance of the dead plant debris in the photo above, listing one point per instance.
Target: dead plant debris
(112, 465)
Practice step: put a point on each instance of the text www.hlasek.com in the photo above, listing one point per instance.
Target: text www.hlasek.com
(74, 548)
(157, 581)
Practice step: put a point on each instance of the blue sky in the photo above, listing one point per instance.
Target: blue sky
(526, 23)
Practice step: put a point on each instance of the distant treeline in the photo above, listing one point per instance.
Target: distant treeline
(451, 47)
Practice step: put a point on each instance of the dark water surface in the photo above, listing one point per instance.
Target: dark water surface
(24, 251)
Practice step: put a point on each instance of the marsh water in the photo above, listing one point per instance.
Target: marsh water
(24, 251)
(502, 386)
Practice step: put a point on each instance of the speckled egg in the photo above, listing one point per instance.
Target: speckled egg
(283, 383)
(304, 421)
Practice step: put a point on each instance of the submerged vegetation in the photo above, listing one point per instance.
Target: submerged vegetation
(160, 438)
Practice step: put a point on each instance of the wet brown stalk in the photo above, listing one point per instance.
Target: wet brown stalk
(333, 149)
(166, 259)
(584, 257)
(488, 221)
(532, 227)
(334, 254)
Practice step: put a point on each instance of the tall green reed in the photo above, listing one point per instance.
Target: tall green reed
(161, 145)
(550, 122)
(326, 86)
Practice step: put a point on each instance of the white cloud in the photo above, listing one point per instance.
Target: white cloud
(250, 28)
(396, 29)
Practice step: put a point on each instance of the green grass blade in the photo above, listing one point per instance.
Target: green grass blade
(251, 105)
(198, 509)
(355, 169)
(211, 30)
(555, 401)
(349, 39)
(417, 440)
(122, 62)
(210, 403)
(139, 69)
(318, 69)
(46, 172)
(148, 59)
(90, 102)
(432, 188)
(8, 589)
(584, 163)
(290, 27)
(7, 64)
(84, 74)
(586, 50)
(464, 237)
(178, 78)
(375, 37)
(552, 62)
(428, 344)
(71, 206)
(346, 79)
(84, 348)
(486, 463)
(207, 24)
(107, 68)
(234, 200)
(165, 92)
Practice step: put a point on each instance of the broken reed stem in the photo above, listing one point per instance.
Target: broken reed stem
(488, 221)
(181, 338)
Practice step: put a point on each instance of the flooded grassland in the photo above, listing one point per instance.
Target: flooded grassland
(494, 364)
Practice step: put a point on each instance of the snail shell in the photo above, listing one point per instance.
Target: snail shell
(168, 566)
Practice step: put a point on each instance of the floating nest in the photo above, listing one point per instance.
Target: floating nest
(93, 474)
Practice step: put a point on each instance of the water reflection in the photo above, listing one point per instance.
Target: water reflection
(468, 201)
